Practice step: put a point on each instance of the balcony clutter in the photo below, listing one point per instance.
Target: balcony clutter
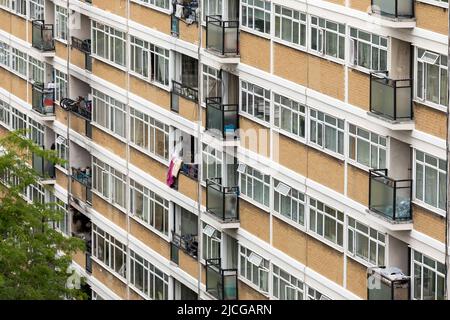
(82, 106)
(187, 242)
(186, 10)
(82, 175)
(176, 166)
(43, 98)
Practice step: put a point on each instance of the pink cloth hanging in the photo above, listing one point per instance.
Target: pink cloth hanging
(170, 179)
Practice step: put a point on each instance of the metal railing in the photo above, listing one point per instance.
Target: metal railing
(221, 283)
(188, 243)
(391, 99)
(81, 106)
(222, 118)
(44, 167)
(85, 47)
(42, 36)
(82, 177)
(222, 202)
(222, 36)
(388, 197)
(43, 99)
(394, 8)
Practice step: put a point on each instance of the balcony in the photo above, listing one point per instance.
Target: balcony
(221, 283)
(222, 202)
(222, 119)
(81, 186)
(82, 108)
(184, 101)
(44, 168)
(222, 37)
(185, 10)
(387, 284)
(188, 243)
(390, 199)
(43, 101)
(391, 101)
(84, 48)
(395, 13)
(43, 36)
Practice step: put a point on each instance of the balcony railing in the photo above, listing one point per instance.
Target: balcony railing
(85, 47)
(222, 36)
(188, 243)
(43, 36)
(222, 118)
(81, 106)
(190, 170)
(399, 9)
(184, 91)
(388, 197)
(221, 283)
(82, 176)
(44, 167)
(43, 99)
(222, 202)
(391, 99)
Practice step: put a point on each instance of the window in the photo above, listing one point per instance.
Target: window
(255, 101)
(289, 115)
(316, 295)
(150, 61)
(327, 131)
(36, 132)
(36, 70)
(289, 202)
(212, 162)
(290, 25)
(19, 61)
(61, 23)
(60, 85)
(430, 180)
(432, 77)
(326, 221)
(36, 193)
(149, 207)
(254, 268)
(256, 15)
(108, 43)
(328, 37)
(149, 134)
(19, 120)
(369, 50)
(255, 185)
(148, 279)
(108, 112)
(367, 148)
(63, 224)
(17, 6)
(211, 242)
(5, 114)
(109, 182)
(4, 54)
(212, 8)
(164, 4)
(109, 251)
(428, 278)
(366, 243)
(37, 9)
(212, 83)
(62, 149)
(286, 286)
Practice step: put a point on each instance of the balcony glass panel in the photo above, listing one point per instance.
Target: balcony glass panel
(388, 197)
(394, 8)
(42, 36)
(221, 283)
(44, 168)
(223, 202)
(222, 36)
(221, 119)
(390, 99)
(43, 99)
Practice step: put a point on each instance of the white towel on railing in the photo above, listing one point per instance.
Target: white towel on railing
(179, 11)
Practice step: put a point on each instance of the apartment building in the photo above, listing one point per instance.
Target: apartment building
(252, 149)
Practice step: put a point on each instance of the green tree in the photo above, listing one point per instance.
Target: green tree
(34, 258)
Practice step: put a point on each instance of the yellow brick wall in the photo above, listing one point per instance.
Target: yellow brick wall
(361, 5)
(326, 77)
(325, 260)
(283, 66)
(247, 293)
(254, 136)
(150, 92)
(150, 18)
(288, 239)
(357, 278)
(147, 164)
(358, 185)
(429, 223)
(254, 51)
(326, 170)
(150, 238)
(109, 73)
(359, 89)
(430, 120)
(254, 220)
(285, 147)
(109, 142)
(118, 7)
(108, 211)
(431, 17)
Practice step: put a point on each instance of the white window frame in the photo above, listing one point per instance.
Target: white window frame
(211, 157)
(321, 211)
(375, 43)
(256, 271)
(112, 38)
(37, 8)
(319, 119)
(250, 19)
(19, 61)
(211, 242)
(294, 197)
(423, 262)
(114, 247)
(36, 70)
(250, 177)
(377, 146)
(298, 21)
(60, 85)
(318, 26)
(61, 23)
(292, 285)
(108, 113)
(283, 105)
(249, 93)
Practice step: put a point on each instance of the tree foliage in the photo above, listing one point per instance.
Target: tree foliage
(34, 258)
